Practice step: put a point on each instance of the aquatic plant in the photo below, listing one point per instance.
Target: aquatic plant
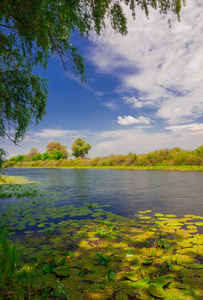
(49, 253)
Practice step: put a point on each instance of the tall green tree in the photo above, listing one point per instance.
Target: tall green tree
(80, 148)
(33, 30)
(55, 147)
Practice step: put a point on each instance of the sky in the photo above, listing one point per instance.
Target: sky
(144, 91)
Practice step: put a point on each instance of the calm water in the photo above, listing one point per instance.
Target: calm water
(127, 191)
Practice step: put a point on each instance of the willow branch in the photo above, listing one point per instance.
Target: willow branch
(9, 54)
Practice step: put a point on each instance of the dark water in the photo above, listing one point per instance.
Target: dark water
(127, 191)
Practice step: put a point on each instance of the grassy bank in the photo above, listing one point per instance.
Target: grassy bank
(167, 168)
(175, 158)
(91, 253)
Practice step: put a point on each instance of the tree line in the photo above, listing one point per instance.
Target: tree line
(159, 158)
(55, 151)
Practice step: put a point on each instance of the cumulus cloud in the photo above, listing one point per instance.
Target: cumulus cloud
(162, 66)
(128, 120)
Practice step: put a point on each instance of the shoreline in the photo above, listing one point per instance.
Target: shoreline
(159, 168)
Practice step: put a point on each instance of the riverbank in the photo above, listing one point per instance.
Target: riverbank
(165, 159)
(166, 168)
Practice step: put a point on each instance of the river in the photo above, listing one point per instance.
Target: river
(126, 191)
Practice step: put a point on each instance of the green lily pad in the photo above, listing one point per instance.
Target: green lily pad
(121, 296)
(62, 271)
(139, 285)
(158, 215)
(162, 281)
(157, 291)
(147, 262)
(170, 216)
(48, 269)
(133, 276)
(199, 223)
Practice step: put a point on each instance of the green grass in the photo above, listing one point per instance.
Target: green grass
(178, 168)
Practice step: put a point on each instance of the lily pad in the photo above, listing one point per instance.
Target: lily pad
(121, 296)
(157, 291)
(48, 269)
(62, 271)
(199, 223)
(162, 281)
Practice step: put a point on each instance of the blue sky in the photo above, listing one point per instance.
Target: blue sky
(144, 91)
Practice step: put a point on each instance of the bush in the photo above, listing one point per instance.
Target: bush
(56, 154)
(21, 158)
(38, 156)
(46, 156)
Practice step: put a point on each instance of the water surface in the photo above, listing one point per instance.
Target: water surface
(127, 191)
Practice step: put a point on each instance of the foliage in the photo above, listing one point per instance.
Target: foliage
(163, 158)
(3, 154)
(56, 154)
(20, 158)
(46, 156)
(33, 152)
(37, 157)
(80, 148)
(58, 150)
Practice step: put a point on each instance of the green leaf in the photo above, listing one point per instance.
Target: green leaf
(48, 269)
(121, 296)
(163, 280)
(157, 291)
(147, 262)
(62, 271)
(62, 262)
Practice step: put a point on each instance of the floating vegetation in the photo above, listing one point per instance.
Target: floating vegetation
(54, 251)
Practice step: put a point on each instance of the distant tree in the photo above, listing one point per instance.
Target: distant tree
(36, 157)
(21, 158)
(57, 154)
(12, 159)
(53, 146)
(34, 151)
(46, 156)
(80, 148)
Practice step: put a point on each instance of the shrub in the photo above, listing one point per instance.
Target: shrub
(46, 156)
(38, 156)
(20, 158)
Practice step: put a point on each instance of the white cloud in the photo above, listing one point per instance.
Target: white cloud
(187, 129)
(160, 67)
(137, 103)
(111, 104)
(55, 133)
(144, 139)
(136, 140)
(105, 146)
(128, 120)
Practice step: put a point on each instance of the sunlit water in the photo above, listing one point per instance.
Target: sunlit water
(127, 191)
